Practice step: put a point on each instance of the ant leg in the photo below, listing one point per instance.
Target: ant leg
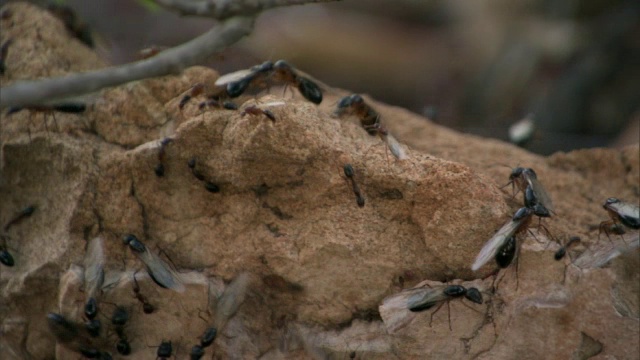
(434, 312)
(469, 307)
(30, 124)
(46, 125)
(495, 277)
(386, 148)
(55, 121)
(517, 266)
(534, 236)
(604, 227)
(449, 313)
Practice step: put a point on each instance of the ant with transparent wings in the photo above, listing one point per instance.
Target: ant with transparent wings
(370, 120)
(522, 178)
(620, 212)
(159, 271)
(73, 337)
(421, 299)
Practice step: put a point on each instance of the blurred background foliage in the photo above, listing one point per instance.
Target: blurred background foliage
(475, 66)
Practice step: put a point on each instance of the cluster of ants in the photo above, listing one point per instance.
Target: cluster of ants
(81, 337)
(503, 246)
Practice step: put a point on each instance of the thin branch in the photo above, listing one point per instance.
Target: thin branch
(167, 62)
(223, 9)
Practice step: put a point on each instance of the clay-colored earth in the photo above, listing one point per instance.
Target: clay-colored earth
(315, 266)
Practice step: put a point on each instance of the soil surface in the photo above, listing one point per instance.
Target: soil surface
(266, 236)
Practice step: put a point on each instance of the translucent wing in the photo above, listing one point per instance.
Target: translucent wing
(394, 309)
(230, 301)
(541, 194)
(490, 249)
(604, 252)
(233, 77)
(629, 213)
(94, 267)
(273, 104)
(394, 146)
(160, 271)
(425, 298)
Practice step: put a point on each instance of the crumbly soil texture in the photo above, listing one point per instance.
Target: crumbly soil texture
(268, 202)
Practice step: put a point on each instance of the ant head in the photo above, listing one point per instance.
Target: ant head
(93, 327)
(197, 352)
(516, 172)
(344, 103)
(610, 201)
(28, 211)
(123, 346)
(530, 173)
(209, 336)
(165, 349)
(474, 295)
(166, 141)
(230, 105)
(268, 66)
(357, 99)
(560, 253)
(120, 316)
(129, 238)
(282, 65)
(134, 243)
(91, 308)
(6, 258)
(348, 170)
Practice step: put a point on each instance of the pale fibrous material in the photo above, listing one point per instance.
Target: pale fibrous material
(160, 271)
(94, 267)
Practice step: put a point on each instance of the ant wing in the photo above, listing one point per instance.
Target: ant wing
(606, 251)
(94, 267)
(425, 298)
(629, 213)
(230, 301)
(490, 249)
(161, 273)
(233, 77)
(273, 104)
(395, 309)
(541, 194)
(394, 146)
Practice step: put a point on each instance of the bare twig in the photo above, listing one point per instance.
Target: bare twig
(223, 9)
(167, 62)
